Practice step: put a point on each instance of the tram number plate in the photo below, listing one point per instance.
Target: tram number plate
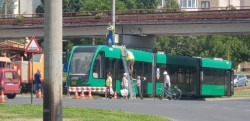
(73, 82)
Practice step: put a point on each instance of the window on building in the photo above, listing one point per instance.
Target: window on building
(205, 4)
(188, 3)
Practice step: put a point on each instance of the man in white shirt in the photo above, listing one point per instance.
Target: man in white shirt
(166, 82)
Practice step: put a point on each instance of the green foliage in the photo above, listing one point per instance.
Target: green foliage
(130, 4)
(92, 5)
(71, 5)
(172, 6)
(10, 6)
(40, 9)
(228, 47)
(68, 6)
(34, 112)
(68, 44)
(19, 19)
(146, 4)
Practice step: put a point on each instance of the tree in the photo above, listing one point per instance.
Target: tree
(10, 6)
(172, 4)
(68, 44)
(130, 4)
(219, 46)
(68, 6)
(71, 5)
(146, 4)
(40, 9)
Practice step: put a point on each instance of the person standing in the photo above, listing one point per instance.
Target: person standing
(108, 85)
(138, 84)
(38, 82)
(110, 35)
(124, 85)
(166, 82)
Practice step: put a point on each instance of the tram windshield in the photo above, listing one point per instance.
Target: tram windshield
(81, 60)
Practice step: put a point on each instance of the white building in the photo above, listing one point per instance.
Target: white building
(195, 5)
(26, 6)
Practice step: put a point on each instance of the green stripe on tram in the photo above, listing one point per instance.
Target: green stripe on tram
(212, 90)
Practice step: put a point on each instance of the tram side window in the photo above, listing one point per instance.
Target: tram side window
(148, 72)
(98, 66)
(2, 64)
(213, 76)
(162, 68)
(138, 68)
(193, 74)
(110, 66)
(181, 75)
(9, 65)
(172, 71)
(119, 69)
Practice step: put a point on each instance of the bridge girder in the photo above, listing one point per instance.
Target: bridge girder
(188, 28)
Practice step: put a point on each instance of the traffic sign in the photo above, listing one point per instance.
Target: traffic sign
(33, 46)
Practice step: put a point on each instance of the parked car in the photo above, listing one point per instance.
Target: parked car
(240, 80)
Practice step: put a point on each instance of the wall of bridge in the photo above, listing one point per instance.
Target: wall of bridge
(129, 29)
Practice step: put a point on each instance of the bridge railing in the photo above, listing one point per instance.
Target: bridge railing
(134, 15)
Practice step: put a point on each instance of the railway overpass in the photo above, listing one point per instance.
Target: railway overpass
(144, 24)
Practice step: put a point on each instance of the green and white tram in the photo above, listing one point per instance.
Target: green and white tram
(89, 65)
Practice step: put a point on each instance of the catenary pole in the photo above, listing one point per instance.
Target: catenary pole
(52, 102)
(113, 13)
(5, 8)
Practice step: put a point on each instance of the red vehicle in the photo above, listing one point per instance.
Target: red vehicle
(9, 80)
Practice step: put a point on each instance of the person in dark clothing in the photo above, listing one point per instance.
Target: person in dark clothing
(38, 82)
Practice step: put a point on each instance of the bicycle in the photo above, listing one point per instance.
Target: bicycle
(173, 93)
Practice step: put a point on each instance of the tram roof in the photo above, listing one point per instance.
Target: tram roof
(215, 63)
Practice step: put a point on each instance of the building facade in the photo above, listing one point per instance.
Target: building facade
(195, 5)
(25, 6)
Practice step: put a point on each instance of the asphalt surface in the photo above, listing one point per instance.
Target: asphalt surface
(182, 110)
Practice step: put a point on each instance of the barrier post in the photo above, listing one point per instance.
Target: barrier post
(90, 95)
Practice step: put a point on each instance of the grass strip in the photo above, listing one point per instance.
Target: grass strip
(27, 112)
(242, 92)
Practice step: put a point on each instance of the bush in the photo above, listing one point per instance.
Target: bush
(20, 19)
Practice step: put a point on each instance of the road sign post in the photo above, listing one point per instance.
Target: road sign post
(32, 47)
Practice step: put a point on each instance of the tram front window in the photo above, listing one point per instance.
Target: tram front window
(81, 59)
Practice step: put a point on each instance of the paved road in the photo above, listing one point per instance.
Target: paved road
(183, 110)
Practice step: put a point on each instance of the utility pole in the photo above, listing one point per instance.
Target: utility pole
(5, 8)
(52, 101)
(113, 13)
(19, 7)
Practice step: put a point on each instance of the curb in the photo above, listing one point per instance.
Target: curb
(226, 98)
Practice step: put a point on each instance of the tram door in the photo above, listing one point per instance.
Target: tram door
(188, 82)
(110, 66)
(182, 80)
(185, 78)
(228, 86)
